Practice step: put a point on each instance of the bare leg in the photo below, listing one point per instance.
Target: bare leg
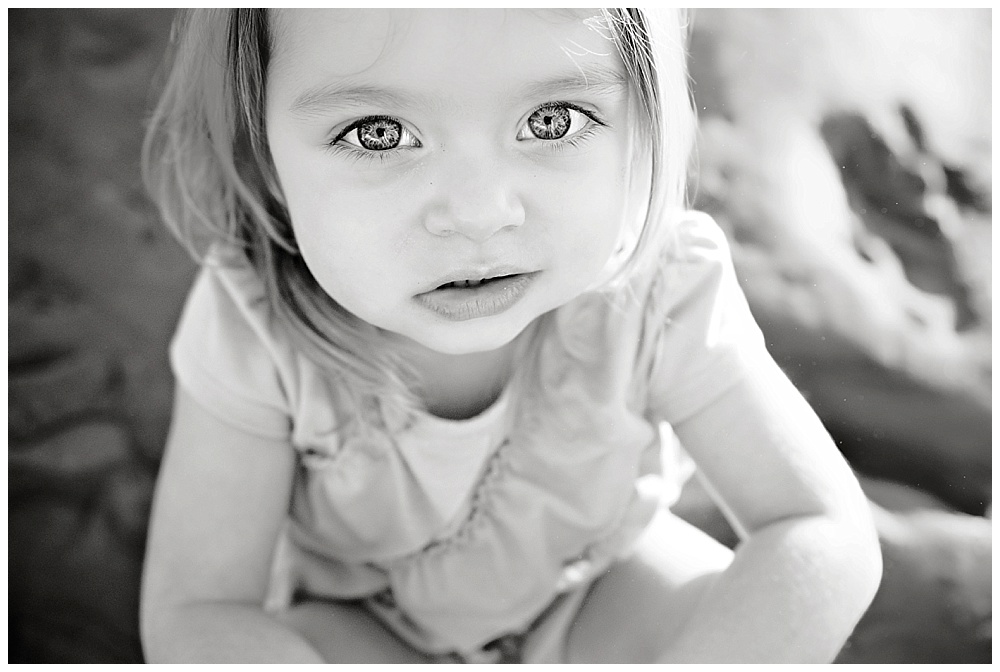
(348, 633)
(633, 612)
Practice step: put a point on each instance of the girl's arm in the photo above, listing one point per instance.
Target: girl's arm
(810, 562)
(220, 502)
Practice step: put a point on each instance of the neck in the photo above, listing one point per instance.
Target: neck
(457, 387)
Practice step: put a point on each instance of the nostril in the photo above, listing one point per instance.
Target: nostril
(474, 208)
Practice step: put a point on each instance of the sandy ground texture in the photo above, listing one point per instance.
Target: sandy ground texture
(848, 155)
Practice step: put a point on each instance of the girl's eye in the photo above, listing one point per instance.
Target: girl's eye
(554, 121)
(377, 134)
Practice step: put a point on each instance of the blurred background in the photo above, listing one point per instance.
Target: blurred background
(847, 153)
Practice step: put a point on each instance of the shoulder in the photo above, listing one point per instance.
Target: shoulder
(698, 318)
(693, 238)
(227, 350)
(690, 260)
(228, 291)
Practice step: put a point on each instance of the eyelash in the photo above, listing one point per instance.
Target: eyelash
(382, 156)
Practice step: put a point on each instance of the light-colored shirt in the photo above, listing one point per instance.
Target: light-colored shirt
(459, 531)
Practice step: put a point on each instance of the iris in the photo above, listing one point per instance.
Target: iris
(379, 134)
(549, 122)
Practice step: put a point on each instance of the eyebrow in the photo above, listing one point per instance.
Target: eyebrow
(592, 79)
(333, 96)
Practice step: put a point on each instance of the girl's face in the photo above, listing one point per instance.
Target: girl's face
(421, 152)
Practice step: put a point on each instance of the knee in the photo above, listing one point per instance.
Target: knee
(638, 625)
(634, 612)
(346, 632)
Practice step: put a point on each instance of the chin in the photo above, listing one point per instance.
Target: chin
(472, 336)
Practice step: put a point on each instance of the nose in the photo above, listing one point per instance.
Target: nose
(474, 199)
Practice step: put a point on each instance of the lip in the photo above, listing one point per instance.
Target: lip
(477, 272)
(467, 303)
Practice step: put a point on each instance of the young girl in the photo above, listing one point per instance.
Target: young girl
(449, 299)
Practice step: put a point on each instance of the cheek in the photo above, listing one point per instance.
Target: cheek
(335, 225)
(343, 240)
(590, 208)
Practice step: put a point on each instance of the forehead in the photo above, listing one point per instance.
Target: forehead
(458, 49)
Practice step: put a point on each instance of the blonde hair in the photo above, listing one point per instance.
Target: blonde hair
(206, 162)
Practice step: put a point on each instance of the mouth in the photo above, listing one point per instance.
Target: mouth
(472, 284)
(471, 298)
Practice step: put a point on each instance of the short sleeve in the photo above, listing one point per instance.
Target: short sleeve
(223, 356)
(708, 339)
